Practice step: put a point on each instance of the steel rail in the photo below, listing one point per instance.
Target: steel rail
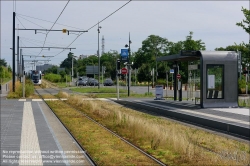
(129, 143)
(88, 157)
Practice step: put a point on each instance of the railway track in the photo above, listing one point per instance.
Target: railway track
(147, 108)
(54, 90)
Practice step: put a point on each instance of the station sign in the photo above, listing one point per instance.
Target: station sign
(124, 55)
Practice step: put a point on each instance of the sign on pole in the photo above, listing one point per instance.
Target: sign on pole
(178, 76)
(171, 70)
(124, 70)
(124, 55)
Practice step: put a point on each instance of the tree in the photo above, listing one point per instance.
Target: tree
(109, 61)
(52, 69)
(246, 21)
(193, 45)
(153, 47)
(3, 62)
(243, 48)
(67, 63)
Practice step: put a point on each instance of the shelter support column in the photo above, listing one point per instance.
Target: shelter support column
(175, 80)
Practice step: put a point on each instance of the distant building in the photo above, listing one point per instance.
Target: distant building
(43, 67)
(83, 56)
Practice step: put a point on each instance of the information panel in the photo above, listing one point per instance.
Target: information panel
(159, 91)
(211, 82)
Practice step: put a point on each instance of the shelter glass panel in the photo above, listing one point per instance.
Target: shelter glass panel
(215, 81)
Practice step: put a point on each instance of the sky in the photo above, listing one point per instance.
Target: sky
(214, 22)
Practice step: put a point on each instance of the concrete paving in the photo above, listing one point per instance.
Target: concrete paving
(32, 135)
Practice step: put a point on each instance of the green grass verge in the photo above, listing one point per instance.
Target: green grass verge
(62, 84)
(96, 90)
(122, 95)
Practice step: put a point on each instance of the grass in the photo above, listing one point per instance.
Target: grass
(108, 92)
(29, 89)
(171, 142)
(121, 95)
(62, 84)
(96, 90)
(244, 103)
(104, 148)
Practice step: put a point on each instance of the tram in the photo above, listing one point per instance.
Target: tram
(36, 77)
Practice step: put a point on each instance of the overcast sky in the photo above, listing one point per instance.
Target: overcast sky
(212, 22)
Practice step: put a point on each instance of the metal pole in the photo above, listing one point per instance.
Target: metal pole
(167, 84)
(240, 63)
(20, 63)
(248, 75)
(98, 58)
(13, 54)
(172, 81)
(102, 74)
(156, 71)
(18, 72)
(135, 77)
(72, 74)
(246, 82)
(175, 81)
(117, 81)
(23, 84)
(129, 66)
(153, 75)
(126, 77)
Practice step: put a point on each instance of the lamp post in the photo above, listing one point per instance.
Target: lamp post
(98, 30)
(72, 68)
(129, 75)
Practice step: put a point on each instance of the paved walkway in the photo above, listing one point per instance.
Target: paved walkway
(32, 135)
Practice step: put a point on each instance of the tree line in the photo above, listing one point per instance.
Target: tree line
(144, 59)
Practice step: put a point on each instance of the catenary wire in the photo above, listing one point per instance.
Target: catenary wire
(54, 24)
(95, 25)
(39, 41)
(20, 22)
(31, 22)
(50, 21)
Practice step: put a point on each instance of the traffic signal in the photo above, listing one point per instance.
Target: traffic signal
(118, 64)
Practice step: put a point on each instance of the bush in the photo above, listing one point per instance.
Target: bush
(161, 82)
(242, 85)
(53, 77)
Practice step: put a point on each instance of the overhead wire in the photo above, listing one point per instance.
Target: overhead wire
(49, 21)
(54, 24)
(20, 22)
(31, 22)
(39, 41)
(95, 25)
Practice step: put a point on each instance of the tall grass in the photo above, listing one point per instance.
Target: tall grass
(173, 143)
(29, 89)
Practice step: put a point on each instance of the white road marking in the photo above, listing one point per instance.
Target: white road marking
(30, 153)
(37, 100)
(22, 100)
(50, 99)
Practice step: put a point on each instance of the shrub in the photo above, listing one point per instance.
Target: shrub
(53, 77)
(242, 85)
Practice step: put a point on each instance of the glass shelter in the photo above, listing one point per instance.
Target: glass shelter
(218, 76)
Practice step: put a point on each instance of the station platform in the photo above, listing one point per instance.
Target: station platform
(231, 120)
(32, 135)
